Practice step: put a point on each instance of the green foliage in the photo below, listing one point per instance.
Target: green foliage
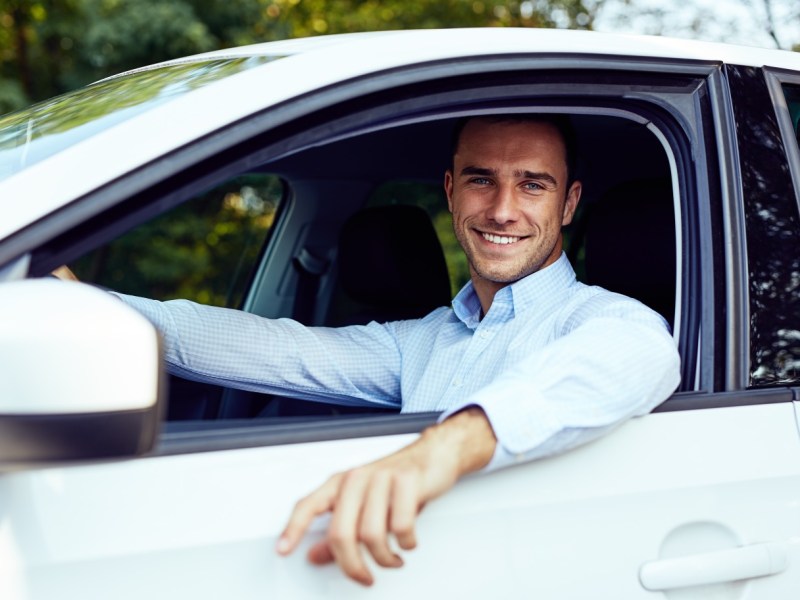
(51, 46)
(125, 34)
(203, 250)
(12, 96)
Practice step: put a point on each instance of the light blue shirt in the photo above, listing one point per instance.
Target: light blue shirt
(554, 363)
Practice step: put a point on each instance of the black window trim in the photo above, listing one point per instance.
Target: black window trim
(736, 334)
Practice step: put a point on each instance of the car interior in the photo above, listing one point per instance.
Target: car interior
(360, 232)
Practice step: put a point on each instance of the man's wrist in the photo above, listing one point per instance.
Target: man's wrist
(468, 435)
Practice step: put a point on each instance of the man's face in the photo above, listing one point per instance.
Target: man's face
(507, 192)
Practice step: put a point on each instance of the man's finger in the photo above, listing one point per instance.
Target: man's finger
(318, 502)
(342, 533)
(320, 553)
(63, 272)
(405, 507)
(374, 520)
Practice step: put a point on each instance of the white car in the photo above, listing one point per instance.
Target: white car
(236, 178)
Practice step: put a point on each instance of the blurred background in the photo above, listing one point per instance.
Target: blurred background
(48, 47)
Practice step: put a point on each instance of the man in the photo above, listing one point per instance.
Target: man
(527, 363)
(510, 191)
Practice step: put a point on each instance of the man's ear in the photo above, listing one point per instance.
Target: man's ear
(448, 188)
(571, 204)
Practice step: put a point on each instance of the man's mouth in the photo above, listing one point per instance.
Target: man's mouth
(500, 239)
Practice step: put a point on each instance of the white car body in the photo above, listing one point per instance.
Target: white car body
(690, 504)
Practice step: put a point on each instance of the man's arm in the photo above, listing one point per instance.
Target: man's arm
(615, 361)
(356, 366)
(384, 497)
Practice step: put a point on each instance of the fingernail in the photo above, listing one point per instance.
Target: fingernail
(283, 545)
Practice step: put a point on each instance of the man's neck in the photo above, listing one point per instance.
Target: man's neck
(486, 290)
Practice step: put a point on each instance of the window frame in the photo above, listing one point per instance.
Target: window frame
(295, 125)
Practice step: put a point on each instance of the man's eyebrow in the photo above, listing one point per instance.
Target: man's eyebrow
(478, 171)
(543, 176)
(484, 172)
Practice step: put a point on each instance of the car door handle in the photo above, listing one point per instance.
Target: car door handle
(746, 562)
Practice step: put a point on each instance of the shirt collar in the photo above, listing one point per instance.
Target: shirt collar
(543, 291)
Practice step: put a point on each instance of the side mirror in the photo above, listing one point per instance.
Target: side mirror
(80, 375)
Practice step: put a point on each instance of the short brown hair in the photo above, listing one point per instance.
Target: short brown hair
(561, 122)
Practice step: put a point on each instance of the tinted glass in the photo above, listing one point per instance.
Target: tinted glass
(773, 233)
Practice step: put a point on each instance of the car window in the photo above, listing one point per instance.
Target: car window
(792, 93)
(203, 250)
(772, 228)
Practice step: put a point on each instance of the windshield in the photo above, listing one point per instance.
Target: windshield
(33, 134)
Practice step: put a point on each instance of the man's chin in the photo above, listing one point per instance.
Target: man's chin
(500, 276)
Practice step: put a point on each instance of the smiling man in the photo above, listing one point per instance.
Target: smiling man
(510, 192)
(527, 363)
(536, 362)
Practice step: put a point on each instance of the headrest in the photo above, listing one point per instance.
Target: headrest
(390, 257)
(630, 243)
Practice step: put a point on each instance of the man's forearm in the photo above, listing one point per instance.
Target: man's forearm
(467, 435)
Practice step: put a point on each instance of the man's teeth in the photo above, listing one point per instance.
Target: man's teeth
(499, 239)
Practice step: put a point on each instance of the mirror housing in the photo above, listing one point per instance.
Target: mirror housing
(80, 375)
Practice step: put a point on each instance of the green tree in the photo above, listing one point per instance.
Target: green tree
(48, 47)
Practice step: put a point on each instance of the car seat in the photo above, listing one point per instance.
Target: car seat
(630, 243)
(391, 266)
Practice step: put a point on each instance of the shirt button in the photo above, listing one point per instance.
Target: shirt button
(456, 382)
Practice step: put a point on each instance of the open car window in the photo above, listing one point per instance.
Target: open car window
(203, 250)
(283, 199)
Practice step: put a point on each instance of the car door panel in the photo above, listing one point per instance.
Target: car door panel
(205, 524)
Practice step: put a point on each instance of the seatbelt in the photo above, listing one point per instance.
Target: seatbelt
(310, 270)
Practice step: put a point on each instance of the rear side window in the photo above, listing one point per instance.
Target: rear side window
(772, 228)
(203, 250)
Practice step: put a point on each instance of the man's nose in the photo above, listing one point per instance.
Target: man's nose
(503, 208)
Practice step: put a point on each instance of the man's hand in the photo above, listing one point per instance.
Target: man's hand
(384, 497)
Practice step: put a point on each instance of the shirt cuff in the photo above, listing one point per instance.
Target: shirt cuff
(516, 434)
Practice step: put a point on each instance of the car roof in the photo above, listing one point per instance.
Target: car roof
(535, 40)
(307, 65)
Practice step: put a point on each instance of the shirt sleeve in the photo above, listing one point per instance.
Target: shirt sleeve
(354, 366)
(614, 360)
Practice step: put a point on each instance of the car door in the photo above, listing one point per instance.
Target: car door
(698, 498)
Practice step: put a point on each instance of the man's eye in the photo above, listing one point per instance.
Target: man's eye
(532, 185)
(479, 180)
